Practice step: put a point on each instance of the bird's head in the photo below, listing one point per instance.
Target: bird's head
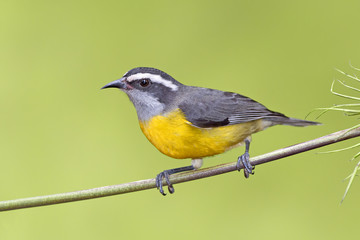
(150, 90)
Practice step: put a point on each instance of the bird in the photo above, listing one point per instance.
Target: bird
(189, 122)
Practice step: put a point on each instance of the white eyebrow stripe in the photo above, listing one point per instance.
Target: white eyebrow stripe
(153, 78)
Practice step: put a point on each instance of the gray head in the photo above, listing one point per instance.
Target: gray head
(150, 90)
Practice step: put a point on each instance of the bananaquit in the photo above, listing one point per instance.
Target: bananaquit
(193, 122)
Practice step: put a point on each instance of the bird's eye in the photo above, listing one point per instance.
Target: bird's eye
(144, 82)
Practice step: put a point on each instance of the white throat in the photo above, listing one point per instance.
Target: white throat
(146, 105)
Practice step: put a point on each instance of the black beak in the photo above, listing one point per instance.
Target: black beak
(116, 84)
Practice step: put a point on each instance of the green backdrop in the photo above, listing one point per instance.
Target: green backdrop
(59, 132)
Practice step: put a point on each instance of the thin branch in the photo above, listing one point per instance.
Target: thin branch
(351, 176)
(340, 109)
(341, 95)
(348, 86)
(348, 75)
(358, 69)
(182, 177)
(342, 149)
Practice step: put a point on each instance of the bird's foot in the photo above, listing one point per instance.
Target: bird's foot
(245, 161)
(165, 174)
(159, 185)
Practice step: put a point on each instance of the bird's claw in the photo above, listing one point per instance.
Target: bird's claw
(159, 185)
(245, 161)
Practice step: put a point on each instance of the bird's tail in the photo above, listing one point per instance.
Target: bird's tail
(292, 121)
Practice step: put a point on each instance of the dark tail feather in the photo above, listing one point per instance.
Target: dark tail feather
(292, 121)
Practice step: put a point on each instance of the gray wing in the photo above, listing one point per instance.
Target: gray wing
(212, 108)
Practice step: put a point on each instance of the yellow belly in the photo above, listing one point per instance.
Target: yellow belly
(174, 136)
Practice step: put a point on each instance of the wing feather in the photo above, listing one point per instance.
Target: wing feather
(213, 108)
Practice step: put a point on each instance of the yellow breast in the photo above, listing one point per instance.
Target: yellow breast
(176, 137)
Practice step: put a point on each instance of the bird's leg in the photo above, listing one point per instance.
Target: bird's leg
(245, 160)
(165, 174)
(196, 163)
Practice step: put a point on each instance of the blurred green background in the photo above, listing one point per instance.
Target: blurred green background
(59, 132)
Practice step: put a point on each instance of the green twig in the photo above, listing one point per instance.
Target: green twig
(348, 75)
(351, 176)
(341, 95)
(342, 149)
(178, 178)
(347, 110)
(358, 69)
(348, 86)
